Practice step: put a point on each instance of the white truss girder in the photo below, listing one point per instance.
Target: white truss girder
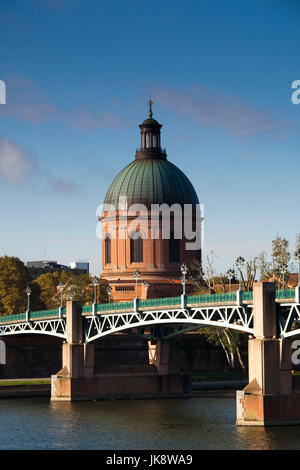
(234, 317)
(289, 320)
(52, 327)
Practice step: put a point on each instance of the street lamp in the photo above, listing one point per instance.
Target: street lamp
(71, 295)
(283, 271)
(109, 291)
(146, 286)
(239, 262)
(230, 275)
(184, 270)
(95, 284)
(28, 293)
(137, 275)
(297, 257)
(61, 287)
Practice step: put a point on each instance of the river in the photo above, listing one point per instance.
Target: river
(202, 422)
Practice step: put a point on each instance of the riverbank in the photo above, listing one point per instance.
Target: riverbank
(27, 388)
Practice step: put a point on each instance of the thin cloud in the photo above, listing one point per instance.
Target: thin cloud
(212, 109)
(63, 186)
(17, 165)
(15, 162)
(85, 120)
(105, 172)
(27, 103)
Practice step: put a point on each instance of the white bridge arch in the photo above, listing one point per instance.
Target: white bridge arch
(234, 317)
(98, 325)
(51, 327)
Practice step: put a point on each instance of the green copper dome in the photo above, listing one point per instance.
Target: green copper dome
(151, 178)
(151, 181)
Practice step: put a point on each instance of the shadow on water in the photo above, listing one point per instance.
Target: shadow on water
(204, 422)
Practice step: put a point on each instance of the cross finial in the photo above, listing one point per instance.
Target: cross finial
(150, 108)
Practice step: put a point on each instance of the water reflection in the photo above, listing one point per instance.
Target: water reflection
(269, 438)
(196, 423)
(256, 438)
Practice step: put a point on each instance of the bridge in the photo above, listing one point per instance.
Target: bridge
(270, 318)
(180, 314)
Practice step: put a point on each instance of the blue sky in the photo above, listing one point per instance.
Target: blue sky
(79, 74)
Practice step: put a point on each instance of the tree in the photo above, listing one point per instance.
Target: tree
(233, 343)
(203, 277)
(264, 267)
(14, 277)
(77, 286)
(297, 244)
(248, 279)
(280, 258)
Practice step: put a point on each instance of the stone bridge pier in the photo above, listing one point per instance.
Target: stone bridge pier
(77, 380)
(165, 355)
(272, 396)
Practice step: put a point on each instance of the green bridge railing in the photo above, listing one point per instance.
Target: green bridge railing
(203, 299)
(285, 294)
(33, 315)
(281, 294)
(160, 302)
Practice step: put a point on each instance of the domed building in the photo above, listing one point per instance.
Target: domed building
(133, 237)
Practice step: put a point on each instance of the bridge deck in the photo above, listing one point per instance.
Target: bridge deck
(218, 302)
(227, 299)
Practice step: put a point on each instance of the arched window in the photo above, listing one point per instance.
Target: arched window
(107, 249)
(148, 140)
(154, 141)
(136, 248)
(174, 249)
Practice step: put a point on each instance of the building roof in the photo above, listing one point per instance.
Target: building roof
(150, 122)
(151, 178)
(151, 181)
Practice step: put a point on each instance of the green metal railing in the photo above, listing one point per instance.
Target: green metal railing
(115, 306)
(281, 294)
(12, 318)
(285, 293)
(160, 302)
(44, 313)
(248, 295)
(199, 299)
(32, 315)
(87, 309)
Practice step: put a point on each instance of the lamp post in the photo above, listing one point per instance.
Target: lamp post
(297, 289)
(95, 284)
(184, 270)
(109, 291)
(28, 293)
(137, 275)
(283, 271)
(61, 287)
(297, 257)
(146, 286)
(239, 262)
(230, 275)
